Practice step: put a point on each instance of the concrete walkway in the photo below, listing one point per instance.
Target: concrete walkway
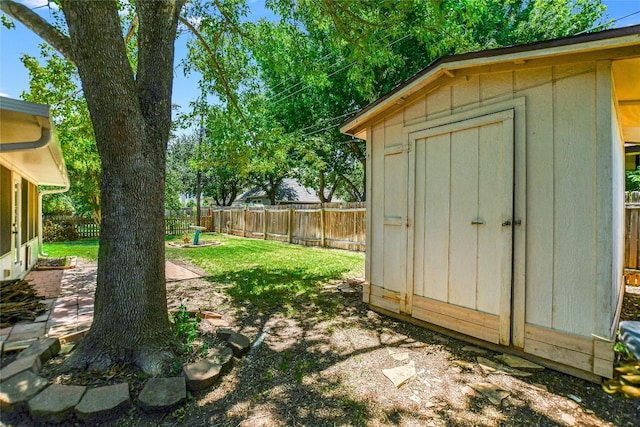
(69, 298)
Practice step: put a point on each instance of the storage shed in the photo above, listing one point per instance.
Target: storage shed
(29, 156)
(495, 185)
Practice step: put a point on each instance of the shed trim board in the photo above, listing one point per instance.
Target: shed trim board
(495, 196)
(590, 42)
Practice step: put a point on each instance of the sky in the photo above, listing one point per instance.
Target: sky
(14, 78)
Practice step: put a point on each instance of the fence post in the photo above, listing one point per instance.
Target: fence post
(290, 224)
(264, 222)
(244, 221)
(322, 231)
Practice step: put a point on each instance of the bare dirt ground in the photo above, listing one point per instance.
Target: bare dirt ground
(316, 370)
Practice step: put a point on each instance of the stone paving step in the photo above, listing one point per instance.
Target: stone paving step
(45, 349)
(103, 403)
(17, 390)
(30, 363)
(55, 403)
(162, 394)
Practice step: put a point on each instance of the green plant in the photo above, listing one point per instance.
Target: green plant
(186, 326)
(59, 232)
(204, 350)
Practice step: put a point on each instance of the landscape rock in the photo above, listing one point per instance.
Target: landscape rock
(519, 363)
(216, 322)
(224, 356)
(348, 290)
(162, 394)
(400, 375)
(202, 374)
(30, 363)
(239, 344)
(45, 349)
(489, 366)
(492, 392)
(224, 333)
(55, 403)
(209, 315)
(17, 390)
(103, 403)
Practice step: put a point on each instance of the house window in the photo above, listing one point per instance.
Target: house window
(5, 210)
(33, 211)
(24, 212)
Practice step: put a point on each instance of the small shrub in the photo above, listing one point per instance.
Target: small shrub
(186, 327)
(59, 232)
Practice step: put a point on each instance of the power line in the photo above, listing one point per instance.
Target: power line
(331, 66)
(610, 22)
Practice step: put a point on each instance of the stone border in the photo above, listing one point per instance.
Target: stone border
(73, 261)
(22, 389)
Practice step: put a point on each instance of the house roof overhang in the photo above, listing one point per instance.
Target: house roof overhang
(625, 73)
(28, 144)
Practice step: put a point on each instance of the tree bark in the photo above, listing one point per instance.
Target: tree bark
(131, 115)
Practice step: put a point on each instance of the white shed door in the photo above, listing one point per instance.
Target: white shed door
(462, 242)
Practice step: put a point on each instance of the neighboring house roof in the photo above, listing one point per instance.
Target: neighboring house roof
(627, 85)
(289, 191)
(27, 142)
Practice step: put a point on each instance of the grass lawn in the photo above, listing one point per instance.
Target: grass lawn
(87, 249)
(264, 273)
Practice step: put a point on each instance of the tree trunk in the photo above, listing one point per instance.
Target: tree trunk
(131, 117)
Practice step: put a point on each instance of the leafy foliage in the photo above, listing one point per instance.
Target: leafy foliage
(59, 232)
(291, 82)
(55, 82)
(632, 181)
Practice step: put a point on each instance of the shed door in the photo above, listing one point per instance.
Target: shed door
(463, 209)
(394, 270)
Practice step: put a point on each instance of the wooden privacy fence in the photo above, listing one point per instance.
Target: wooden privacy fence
(340, 226)
(88, 228)
(632, 238)
(332, 225)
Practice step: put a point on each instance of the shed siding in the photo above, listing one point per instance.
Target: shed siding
(561, 252)
(575, 191)
(537, 88)
(377, 204)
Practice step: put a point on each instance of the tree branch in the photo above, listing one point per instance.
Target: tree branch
(38, 25)
(223, 79)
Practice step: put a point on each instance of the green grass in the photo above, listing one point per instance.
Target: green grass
(87, 249)
(271, 274)
(266, 274)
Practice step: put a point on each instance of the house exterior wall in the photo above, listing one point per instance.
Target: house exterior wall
(25, 248)
(568, 173)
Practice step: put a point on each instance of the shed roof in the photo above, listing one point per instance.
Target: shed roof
(28, 144)
(626, 75)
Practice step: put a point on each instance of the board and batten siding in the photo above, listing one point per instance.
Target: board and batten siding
(567, 157)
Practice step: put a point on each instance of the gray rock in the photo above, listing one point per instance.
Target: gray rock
(29, 363)
(45, 349)
(224, 356)
(202, 374)
(239, 344)
(55, 403)
(103, 403)
(15, 392)
(162, 394)
(224, 333)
